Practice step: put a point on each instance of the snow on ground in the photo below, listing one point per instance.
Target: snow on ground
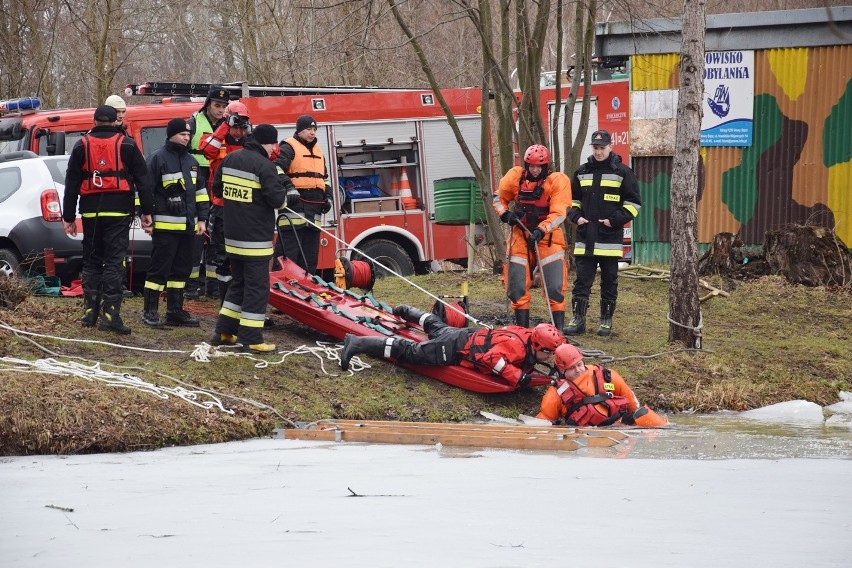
(291, 503)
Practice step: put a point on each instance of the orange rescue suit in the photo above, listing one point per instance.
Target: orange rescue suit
(553, 407)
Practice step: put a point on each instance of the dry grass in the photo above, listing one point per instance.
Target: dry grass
(768, 342)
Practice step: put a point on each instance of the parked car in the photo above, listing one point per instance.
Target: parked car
(31, 190)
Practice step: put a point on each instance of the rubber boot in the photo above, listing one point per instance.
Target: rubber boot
(607, 309)
(577, 325)
(91, 309)
(150, 311)
(111, 317)
(257, 347)
(409, 313)
(175, 314)
(354, 345)
(522, 318)
(223, 339)
(558, 320)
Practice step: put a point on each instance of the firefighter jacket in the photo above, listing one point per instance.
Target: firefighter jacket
(200, 127)
(603, 190)
(506, 352)
(306, 169)
(598, 397)
(214, 147)
(540, 203)
(173, 171)
(249, 183)
(107, 204)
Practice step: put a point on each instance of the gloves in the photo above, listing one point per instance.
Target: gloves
(524, 380)
(510, 218)
(293, 198)
(534, 237)
(233, 119)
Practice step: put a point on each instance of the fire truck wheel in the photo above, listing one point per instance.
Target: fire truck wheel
(391, 255)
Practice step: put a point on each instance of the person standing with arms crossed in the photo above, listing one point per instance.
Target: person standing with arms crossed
(606, 197)
(177, 219)
(303, 161)
(103, 169)
(249, 183)
(536, 237)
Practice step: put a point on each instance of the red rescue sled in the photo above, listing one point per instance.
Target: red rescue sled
(334, 311)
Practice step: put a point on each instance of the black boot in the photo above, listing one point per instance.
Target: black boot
(91, 309)
(607, 309)
(522, 318)
(175, 314)
(111, 318)
(577, 325)
(408, 313)
(558, 320)
(354, 345)
(150, 311)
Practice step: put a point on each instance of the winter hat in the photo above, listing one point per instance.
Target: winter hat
(115, 102)
(105, 113)
(305, 121)
(265, 134)
(176, 126)
(601, 138)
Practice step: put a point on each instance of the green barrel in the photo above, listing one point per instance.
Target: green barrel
(453, 200)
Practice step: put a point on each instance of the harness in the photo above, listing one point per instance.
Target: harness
(480, 343)
(583, 409)
(531, 203)
(103, 170)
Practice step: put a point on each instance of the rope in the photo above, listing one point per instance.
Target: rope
(22, 333)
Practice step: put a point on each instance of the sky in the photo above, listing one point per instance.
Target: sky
(676, 497)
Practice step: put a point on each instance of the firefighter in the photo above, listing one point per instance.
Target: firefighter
(103, 169)
(592, 395)
(510, 352)
(251, 190)
(606, 197)
(177, 219)
(309, 197)
(228, 137)
(202, 123)
(536, 238)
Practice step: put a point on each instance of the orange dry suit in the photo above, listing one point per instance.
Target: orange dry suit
(543, 204)
(598, 397)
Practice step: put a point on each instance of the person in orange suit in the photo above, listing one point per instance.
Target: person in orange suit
(592, 395)
(541, 199)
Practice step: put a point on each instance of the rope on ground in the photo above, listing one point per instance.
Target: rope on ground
(324, 351)
(603, 357)
(199, 398)
(22, 333)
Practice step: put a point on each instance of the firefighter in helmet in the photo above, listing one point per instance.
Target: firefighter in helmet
(536, 238)
(510, 352)
(592, 395)
(229, 136)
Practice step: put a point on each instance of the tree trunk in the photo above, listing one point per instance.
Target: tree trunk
(684, 307)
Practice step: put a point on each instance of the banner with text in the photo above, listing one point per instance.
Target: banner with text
(728, 98)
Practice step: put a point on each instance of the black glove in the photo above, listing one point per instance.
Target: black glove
(293, 198)
(510, 218)
(233, 120)
(534, 237)
(524, 381)
(326, 207)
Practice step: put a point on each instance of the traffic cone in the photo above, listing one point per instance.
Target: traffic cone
(402, 189)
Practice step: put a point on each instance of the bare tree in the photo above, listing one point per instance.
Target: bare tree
(684, 306)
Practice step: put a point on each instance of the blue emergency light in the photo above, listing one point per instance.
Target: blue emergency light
(19, 105)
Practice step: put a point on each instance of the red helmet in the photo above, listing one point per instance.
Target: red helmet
(545, 337)
(537, 155)
(566, 356)
(238, 108)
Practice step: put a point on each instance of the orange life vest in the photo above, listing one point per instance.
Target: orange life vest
(308, 166)
(103, 171)
(599, 409)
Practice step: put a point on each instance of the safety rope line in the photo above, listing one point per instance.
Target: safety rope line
(21, 332)
(325, 351)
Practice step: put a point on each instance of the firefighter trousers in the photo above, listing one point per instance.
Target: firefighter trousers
(291, 237)
(442, 348)
(587, 266)
(522, 261)
(243, 312)
(171, 260)
(216, 249)
(105, 242)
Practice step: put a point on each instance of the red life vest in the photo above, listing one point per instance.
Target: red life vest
(103, 171)
(531, 203)
(584, 410)
(482, 341)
